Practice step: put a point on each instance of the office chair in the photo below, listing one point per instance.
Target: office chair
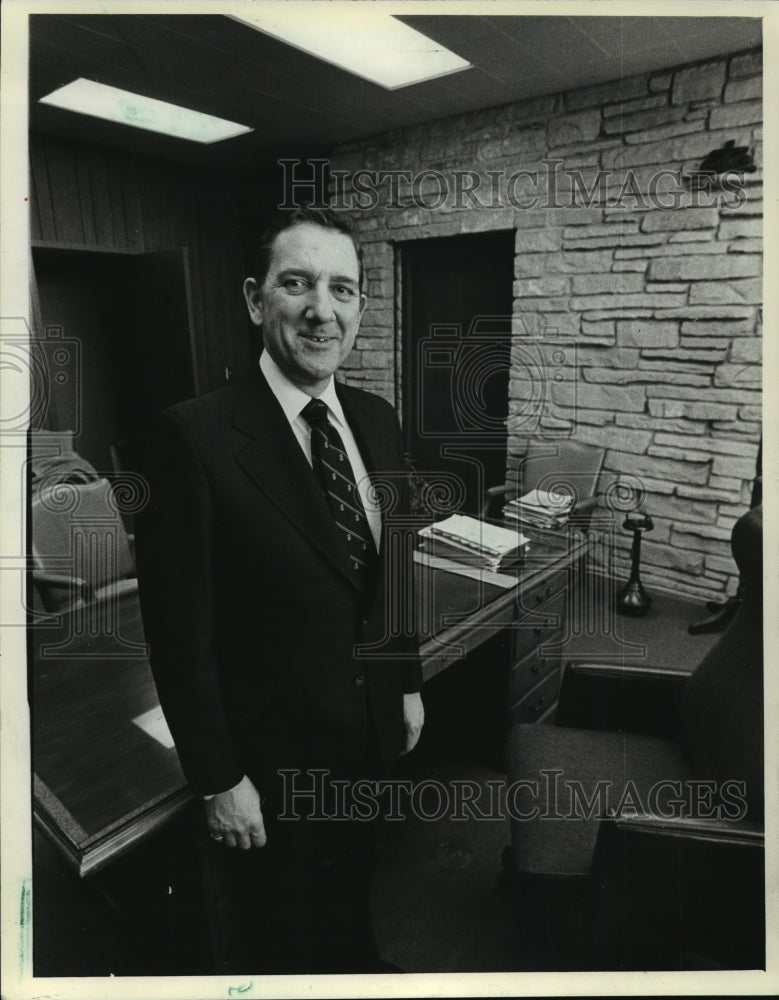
(722, 613)
(54, 460)
(80, 549)
(663, 868)
(570, 465)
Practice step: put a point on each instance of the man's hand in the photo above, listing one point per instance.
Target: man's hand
(234, 817)
(414, 718)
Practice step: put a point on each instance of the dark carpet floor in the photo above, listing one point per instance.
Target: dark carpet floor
(441, 902)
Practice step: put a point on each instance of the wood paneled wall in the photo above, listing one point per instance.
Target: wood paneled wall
(90, 198)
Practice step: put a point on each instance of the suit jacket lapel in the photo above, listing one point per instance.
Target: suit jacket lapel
(375, 440)
(275, 463)
(376, 447)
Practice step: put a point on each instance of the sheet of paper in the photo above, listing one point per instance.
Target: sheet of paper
(153, 724)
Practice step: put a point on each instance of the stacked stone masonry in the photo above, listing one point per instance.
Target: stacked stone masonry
(652, 288)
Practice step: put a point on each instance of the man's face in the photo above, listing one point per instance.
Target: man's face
(309, 305)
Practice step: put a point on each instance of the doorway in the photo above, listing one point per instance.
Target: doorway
(457, 306)
(115, 345)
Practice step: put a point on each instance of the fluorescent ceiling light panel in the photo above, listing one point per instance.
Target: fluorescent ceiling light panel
(88, 98)
(358, 38)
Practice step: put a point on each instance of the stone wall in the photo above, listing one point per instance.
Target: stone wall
(651, 288)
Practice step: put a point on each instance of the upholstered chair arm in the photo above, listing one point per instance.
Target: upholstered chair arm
(493, 494)
(635, 699)
(48, 582)
(710, 830)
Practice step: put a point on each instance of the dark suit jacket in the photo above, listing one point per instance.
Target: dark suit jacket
(249, 606)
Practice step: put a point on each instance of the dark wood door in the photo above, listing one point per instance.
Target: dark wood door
(114, 334)
(158, 353)
(458, 297)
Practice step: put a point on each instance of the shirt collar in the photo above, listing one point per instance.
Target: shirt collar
(292, 399)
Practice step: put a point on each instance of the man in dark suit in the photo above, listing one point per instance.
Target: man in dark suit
(258, 582)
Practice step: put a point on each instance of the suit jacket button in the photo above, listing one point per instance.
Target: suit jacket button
(359, 680)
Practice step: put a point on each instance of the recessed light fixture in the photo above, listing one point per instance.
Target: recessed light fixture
(356, 37)
(114, 105)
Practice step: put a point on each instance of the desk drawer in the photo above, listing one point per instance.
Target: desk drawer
(535, 597)
(543, 620)
(538, 700)
(532, 668)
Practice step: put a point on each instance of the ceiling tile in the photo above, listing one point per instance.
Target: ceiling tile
(617, 36)
(296, 102)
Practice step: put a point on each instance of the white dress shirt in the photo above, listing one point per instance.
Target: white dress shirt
(292, 401)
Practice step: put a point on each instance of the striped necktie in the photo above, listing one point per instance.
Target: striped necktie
(333, 470)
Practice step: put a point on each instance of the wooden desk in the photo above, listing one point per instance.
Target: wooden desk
(102, 784)
(467, 612)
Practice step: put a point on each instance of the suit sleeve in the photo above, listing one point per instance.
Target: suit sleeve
(412, 676)
(175, 541)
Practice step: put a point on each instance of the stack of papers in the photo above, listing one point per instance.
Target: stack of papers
(467, 540)
(539, 509)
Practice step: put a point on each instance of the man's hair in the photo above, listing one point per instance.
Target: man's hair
(327, 218)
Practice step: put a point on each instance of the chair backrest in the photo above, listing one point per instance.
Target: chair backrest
(44, 442)
(53, 460)
(78, 531)
(721, 719)
(569, 465)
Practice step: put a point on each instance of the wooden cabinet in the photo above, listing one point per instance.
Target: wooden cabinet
(538, 703)
(534, 675)
(500, 664)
